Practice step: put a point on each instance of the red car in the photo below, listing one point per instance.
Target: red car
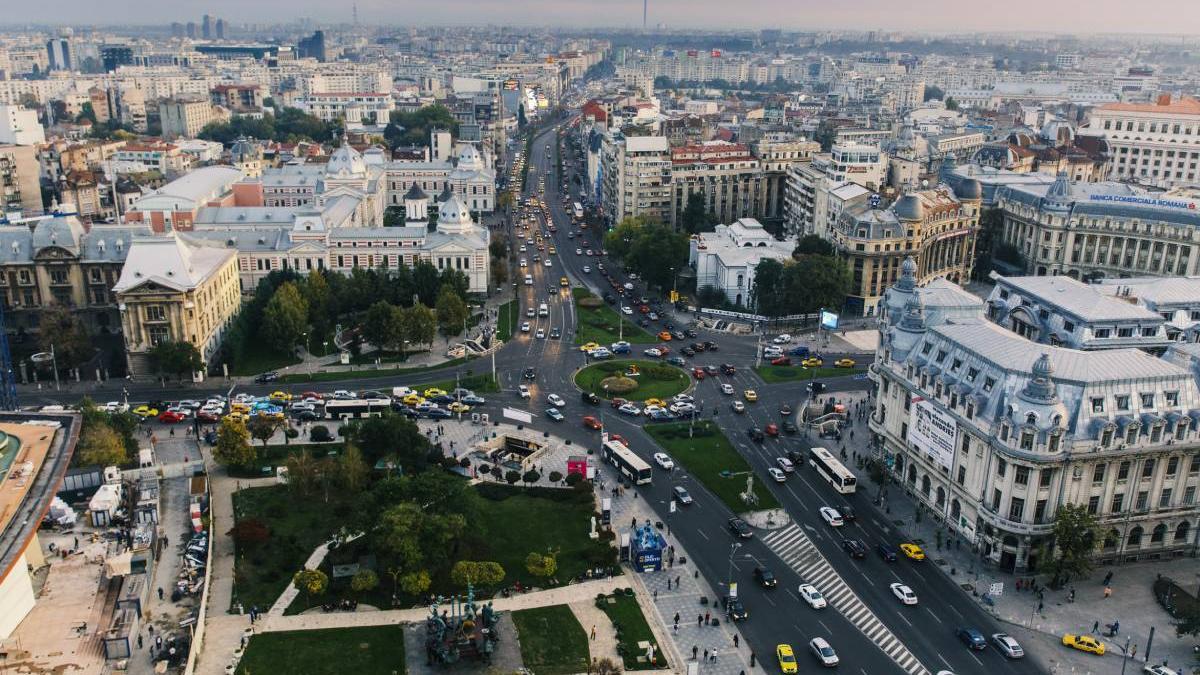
(772, 430)
(618, 438)
(171, 417)
(592, 423)
(310, 394)
(206, 416)
(781, 361)
(618, 402)
(698, 373)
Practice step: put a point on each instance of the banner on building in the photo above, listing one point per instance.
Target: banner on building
(932, 431)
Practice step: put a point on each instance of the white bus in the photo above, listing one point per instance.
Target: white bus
(630, 465)
(356, 408)
(577, 211)
(832, 470)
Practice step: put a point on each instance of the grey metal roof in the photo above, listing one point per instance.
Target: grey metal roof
(1077, 299)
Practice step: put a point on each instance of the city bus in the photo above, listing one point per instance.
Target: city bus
(832, 470)
(577, 211)
(630, 465)
(356, 408)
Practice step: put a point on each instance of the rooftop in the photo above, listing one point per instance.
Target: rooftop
(170, 261)
(1080, 300)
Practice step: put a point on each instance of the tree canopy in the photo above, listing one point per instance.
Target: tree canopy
(286, 317)
(804, 285)
(233, 444)
(651, 249)
(1075, 532)
(412, 128)
(175, 358)
(62, 331)
(291, 125)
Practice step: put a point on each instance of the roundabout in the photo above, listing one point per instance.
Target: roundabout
(633, 379)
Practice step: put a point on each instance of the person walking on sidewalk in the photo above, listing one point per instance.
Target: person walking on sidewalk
(1107, 592)
(735, 641)
(676, 618)
(707, 617)
(593, 631)
(1095, 626)
(694, 650)
(699, 620)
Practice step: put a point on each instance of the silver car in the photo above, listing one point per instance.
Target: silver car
(1007, 645)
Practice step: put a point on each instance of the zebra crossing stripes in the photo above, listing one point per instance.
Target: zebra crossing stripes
(798, 552)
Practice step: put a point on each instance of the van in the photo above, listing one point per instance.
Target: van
(528, 279)
(543, 310)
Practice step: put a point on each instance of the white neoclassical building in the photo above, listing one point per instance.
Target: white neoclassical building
(726, 259)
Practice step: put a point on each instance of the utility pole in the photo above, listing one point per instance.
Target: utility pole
(54, 365)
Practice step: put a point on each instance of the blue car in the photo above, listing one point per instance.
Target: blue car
(971, 638)
(798, 351)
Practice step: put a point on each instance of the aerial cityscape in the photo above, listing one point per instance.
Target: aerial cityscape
(548, 338)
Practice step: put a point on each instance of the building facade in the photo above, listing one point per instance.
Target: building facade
(727, 258)
(20, 185)
(185, 117)
(636, 177)
(728, 178)
(1151, 143)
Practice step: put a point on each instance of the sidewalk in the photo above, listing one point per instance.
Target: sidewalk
(1132, 604)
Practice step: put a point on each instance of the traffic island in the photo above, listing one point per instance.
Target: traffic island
(704, 451)
(785, 374)
(633, 379)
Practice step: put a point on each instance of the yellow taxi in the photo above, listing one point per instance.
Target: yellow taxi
(434, 391)
(655, 401)
(750, 395)
(844, 363)
(562, 281)
(552, 250)
(1084, 643)
(664, 336)
(237, 416)
(280, 396)
(239, 407)
(145, 411)
(275, 415)
(912, 551)
(589, 347)
(413, 399)
(812, 362)
(458, 407)
(787, 658)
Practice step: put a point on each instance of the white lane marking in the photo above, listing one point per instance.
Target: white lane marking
(701, 533)
(935, 616)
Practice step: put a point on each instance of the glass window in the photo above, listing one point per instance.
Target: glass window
(1098, 473)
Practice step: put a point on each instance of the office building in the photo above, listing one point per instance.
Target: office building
(1151, 143)
(20, 182)
(725, 174)
(186, 116)
(113, 56)
(60, 54)
(636, 177)
(20, 126)
(312, 47)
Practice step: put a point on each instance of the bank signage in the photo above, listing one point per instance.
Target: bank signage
(1147, 201)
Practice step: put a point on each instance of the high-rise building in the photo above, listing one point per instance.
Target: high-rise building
(176, 29)
(59, 51)
(206, 27)
(220, 29)
(636, 178)
(191, 30)
(312, 47)
(116, 55)
(187, 116)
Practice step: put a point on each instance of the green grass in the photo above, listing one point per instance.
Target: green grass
(263, 570)
(371, 650)
(277, 455)
(708, 455)
(657, 379)
(552, 641)
(600, 324)
(259, 358)
(505, 319)
(783, 374)
(626, 615)
(336, 375)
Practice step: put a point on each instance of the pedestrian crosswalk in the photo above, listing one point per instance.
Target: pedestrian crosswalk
(798, 552)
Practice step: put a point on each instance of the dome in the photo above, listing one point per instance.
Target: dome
(244, 150)
(969, 189)
(445, 194)
(468, 158)
(415, 193)
(1059, 194)
(453, 215)
(346, 161)
(1058, 132)
(908, 274)
(909, 207)
(1040, 388)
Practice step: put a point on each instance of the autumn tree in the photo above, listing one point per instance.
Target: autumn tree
(310, 582)
(233, 443)
(100, 445)
(263, 427)
(420, 325)
(363, 581)
(477, 573)
(542, 565)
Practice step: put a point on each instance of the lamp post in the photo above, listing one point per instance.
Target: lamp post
(729, 572)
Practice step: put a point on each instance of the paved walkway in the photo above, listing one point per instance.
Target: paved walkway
(602, 634)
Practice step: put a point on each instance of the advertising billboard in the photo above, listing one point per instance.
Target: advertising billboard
(932, 431)
(829, 320)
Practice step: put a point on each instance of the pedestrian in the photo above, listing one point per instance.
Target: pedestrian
(593, 631)
(1107, 578)
(76, 543)
(694, 648)
(633, 523)
(676, 578)
(1096, 626)
(656, 595)
(160, 593)
(751, 659)
(676, 618)
(1041, 605)
(158, 641)
(1107, 592)
(1071, 596)
(139, 640)
(705, 654)
(707, 616)
(675, 629)
(712, 658)
(736, 640)
(699, 620)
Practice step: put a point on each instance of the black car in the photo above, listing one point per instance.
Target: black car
(797, 458)
(789, 427)
(710, 345)
(855, 548)
(690, 333)
(529, 374)
(440, 399)
(734, 609)
(971, 637)
(740, 528)
(371, 393)
(688, 351)
(756, 434)
(269, 376)
(610, 298)
(589, 397)
(886, 551)
(306, 416)
(727, 368)
(697, 346)
(555, 333)
(848, 513)
(438, 414)
(677, 361)
(785, 410)
(765, 577)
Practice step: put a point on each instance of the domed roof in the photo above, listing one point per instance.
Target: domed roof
(908, 275)
(346, 161)
(969, 189)
(453, 215)
(909, 207)
(415, 193)
(244, 150)
(468, 158)
(1059, 194)
(1040, 388)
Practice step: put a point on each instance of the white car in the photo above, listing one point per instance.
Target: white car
(587, 269)
(652, 409)
(682, 408)
(540, 334)
(626, 310)
(620, 346)
(343, 395)
(578, 251)
(683, 398)
(116, 407)
(555, 415)
(772, 352)
(903, 593)
(782, 339)
(739, 407)
(524, 263)
(528, 279)
(525, 327)
(727, 388)
(556, 400)
(821, 649)
(653, 351)
(629, 409)
(548, 264)
(664, 461)
(530, 313)
(779, 476)
(785, 464)
(831, 516)
(522, 249)
(523, 390)
(812, 596)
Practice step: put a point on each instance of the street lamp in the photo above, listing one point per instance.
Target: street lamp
(729, 572)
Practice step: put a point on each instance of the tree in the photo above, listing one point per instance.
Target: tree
(767, 295)
(364, 580)
(1075, 531)
(816, 282)
(451, 312)
(1189, 620)
(412, 128)
(250, 531)
(419, 324)
(555, 477)
(352, 470)
(394, 216)
(933, 93)
(511, 477)
(542, 565)
(383, 326)
(285, 317)
(233, 444)
(310, 582)
(479, 574)
(416, 583)
(951, 104)
(813, 244)
(318, 295)
(175, 358)
(391, 436)
(99, 445)
(263, 427)
(62, 332)
(651, 249)
(695, 214)
(426, 282)
(529, 477)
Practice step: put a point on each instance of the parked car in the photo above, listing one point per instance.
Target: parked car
(1009, 647)
(734, 609)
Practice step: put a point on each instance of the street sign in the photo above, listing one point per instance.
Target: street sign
(672, 506)
(997, 589)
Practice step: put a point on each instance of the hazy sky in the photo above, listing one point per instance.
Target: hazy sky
(1144, 16)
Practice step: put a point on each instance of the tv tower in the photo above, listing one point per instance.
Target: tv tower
(645, 7)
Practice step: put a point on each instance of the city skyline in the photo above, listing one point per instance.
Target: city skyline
(1104, 16)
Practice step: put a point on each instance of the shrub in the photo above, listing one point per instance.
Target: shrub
(618, 384)
(574, 479)
(555, 477)
(250, 531)
(320, 434)
(590, 302)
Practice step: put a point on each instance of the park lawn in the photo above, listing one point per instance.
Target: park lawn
(263, 570)
(370, 650)
(260, 358)
(600, 324)
(274, 456)
(589, 379)
(626, 615)
(783, 374)
(336, 375)
(506, 317)
(552, 640)
(707, 455)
